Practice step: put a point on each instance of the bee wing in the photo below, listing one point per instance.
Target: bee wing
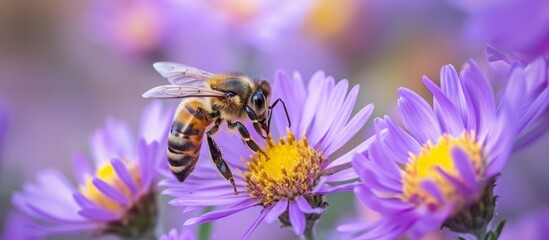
(177, 91)
(179, 74)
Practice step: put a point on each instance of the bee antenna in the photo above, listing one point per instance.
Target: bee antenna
(285, 111)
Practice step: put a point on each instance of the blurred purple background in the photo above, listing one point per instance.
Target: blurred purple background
(66, 65)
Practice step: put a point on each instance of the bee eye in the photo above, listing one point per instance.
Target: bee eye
(258, 100)
(230, 94)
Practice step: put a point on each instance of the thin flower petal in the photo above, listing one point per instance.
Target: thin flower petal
(82, 168)
(110, 192)
(297, 218)
(98, 214)
(305, 207)
(463, 164)
(255, 224)
(279, 208)
(217, 214)
(447, 114)
(417, 116)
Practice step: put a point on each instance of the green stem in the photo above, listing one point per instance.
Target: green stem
(309, 233)
(205, 229)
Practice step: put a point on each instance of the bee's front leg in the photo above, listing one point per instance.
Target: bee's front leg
(246, 137)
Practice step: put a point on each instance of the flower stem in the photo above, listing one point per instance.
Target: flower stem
(205, 229)
(309, 233)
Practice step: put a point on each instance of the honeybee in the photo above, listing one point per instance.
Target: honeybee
(211, 98)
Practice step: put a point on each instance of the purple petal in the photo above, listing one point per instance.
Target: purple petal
(537, 108)
(290, 90)
(398, 143)
(368, 198)
(110, 192)
(417, 116)
(447, 114)
(325, 189)
(155, 122)
(343, 114)
(64, 229)
(55, 185)
(82, 168)
(83, 201)
(350, 129)
(536, 130)
(202, 201)
(98, 214)
(297, 218)
(279, 208)
(147, 161)
(431, 222)
(45, 211)
(377, 153)
(431, 187)
(352, 227)
(463, 164)
(305, 207)
(348, 157)
(255, 224)
(451, 87)
(377, 181)
(214, 215)
(124, 175)
(464, 190)
(315, 87)
(387, 228)
(481, 96)
(315, 136)
(328, 113)
(342, 175)
(515, 96)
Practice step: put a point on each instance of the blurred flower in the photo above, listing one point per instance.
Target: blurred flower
(441, 169)
(135, 26)
(19, 226)
(257, 23)
(290, 185)
(117, 197)
(534, 112)
(512, 25)
(183, 234)
(532, 226)
(329, 19)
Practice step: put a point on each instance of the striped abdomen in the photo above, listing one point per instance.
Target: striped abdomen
(185, 137)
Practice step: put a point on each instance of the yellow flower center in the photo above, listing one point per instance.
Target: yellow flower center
(291, 169)
(107, 174)
(424, 167)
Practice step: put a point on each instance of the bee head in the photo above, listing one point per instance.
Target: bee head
(259, 100)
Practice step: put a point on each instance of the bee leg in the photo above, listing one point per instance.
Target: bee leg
(217, 157)
(257, 125)
(246, 137)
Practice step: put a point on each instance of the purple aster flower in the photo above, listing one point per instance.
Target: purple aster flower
(133, 27)
(512, 25)
(290, 185)
(534, 112)
(115, 194)
(439, 170)
(534, 225)
(183, 234)
(257, 23)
